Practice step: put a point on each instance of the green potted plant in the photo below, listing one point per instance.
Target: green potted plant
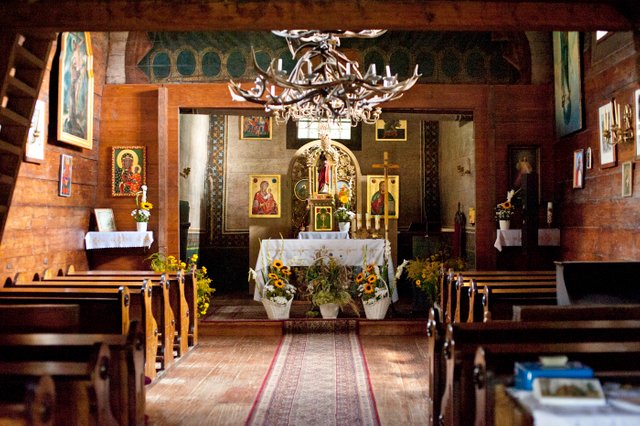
(328, 284)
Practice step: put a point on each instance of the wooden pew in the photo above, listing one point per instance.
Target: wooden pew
(80, 376)
(160, 310)
(493, 372)
(27, 400)
(575, 312)
(140, 305)
(544, 337)
(183, 300)
(102, 310)
(125, 370)
(40, 318)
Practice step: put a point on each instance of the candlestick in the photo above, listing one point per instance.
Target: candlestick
(144, 193)
(377, 221)
(367, 220)
(358, 220)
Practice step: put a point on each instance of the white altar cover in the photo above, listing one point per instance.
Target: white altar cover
(118, 239)
(303, 253)
(324, 235)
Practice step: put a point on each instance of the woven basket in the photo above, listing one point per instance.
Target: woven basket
(275, 310)
(377, 310)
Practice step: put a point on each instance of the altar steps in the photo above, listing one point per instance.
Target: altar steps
(364, 327)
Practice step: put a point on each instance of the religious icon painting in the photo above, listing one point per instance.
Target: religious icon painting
(567, 82)
(578, 168)
(301, 189)
(588, 158)
(607, 150)
(255, 127)
(128, 170)
(66, 169)
(375, 195)
(391, 130)
(323, 218)
(523, 160)
(75, 90)
(627, 179)
(264, 196)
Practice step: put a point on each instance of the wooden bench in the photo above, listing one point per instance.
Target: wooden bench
(575, 312)
(507, 288)
(544, 337)
(183, 301)
(27, 400)
(159, 300)
(140, 303)
(125, 369)
(40, 318)
(81, 379)
(589, 282)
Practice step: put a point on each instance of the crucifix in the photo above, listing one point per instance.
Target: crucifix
(386, 166)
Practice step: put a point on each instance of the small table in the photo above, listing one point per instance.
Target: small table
(118, 239)
(323, 235)
(513, 237)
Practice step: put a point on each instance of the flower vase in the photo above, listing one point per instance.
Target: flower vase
(141, 226)
(504, 224)
(329, 310)
(277, 311)
(378, 309)
(344, 226)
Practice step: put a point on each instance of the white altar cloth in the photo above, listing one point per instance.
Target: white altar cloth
(118, 239)
(326, 235)
(303, 253)
(513, 237)
(615, 412)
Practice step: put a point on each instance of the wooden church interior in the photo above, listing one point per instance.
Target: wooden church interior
(485, 99)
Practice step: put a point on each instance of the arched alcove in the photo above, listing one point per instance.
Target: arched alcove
(347, 172)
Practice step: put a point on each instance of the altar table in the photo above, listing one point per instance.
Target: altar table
(513, 237)
(303, 253)
(323, 235)
(118, 239)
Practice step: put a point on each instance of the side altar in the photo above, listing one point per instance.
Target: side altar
(303, 253)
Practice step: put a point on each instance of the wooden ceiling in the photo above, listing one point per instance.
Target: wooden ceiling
(411, 15)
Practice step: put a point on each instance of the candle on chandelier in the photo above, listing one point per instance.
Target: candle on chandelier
(388, 69)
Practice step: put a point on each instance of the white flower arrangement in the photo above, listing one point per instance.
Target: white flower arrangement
(344, 215)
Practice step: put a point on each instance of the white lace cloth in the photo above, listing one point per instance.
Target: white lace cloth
(303, 253)
(513, 237)
(611, 414)
(316, 235)
(118, 239)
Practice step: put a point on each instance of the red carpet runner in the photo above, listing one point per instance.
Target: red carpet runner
(316, 379)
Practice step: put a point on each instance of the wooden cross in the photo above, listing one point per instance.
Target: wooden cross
(386, 166)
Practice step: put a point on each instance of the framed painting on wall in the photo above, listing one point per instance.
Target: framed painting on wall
(128, 170)
(105, 220)
(636, 97)
(523, 159)
(323, 218)
(567, 82)
(66, 170)
(264, 196)
(578, 168)
(75, 90)
(391, 130)
(627, 179)
(607, 150)
(375, 195)
(36, 139)
(255, 127)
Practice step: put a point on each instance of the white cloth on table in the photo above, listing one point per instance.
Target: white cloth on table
(327, 235)
(303, 253)
(513, 237)
(609, 414)
(118, 239)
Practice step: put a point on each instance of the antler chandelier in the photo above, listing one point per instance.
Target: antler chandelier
(324, 84)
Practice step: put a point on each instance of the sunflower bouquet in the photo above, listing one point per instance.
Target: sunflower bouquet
(505, 210)
(142, 212)
(371, 286)
(277, 288)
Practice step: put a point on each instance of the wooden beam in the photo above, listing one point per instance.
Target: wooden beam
(418, 15)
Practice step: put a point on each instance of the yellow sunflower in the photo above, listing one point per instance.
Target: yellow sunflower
(370, 268)
(146, 205)
(272, 276)
(372, 279)
(277, 264)
(359, 278)
(278, 283)
(368, 288)
(194, 258)
(344, 199)
(284, 270)
(506, 205)
(418, 283)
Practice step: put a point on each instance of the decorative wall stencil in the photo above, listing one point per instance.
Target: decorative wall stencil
(443, 57)
(431, 203)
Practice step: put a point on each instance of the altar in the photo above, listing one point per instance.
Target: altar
(303, 253)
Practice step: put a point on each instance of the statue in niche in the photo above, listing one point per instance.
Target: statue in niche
(324, 175)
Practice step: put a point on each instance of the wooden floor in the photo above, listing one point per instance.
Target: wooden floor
(217, 382)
